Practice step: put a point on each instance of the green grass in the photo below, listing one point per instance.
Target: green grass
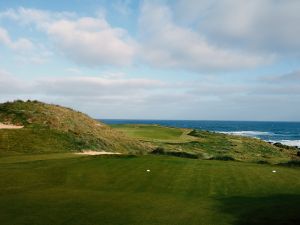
(52, 128)
(36, 157)
(154, 133)
(208, 145)
(118, 190)
(29, 141)
(43, 183)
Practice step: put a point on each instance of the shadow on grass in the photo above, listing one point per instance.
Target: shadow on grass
(275, 210)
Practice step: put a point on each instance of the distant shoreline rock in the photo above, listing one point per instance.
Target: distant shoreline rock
(280, 145)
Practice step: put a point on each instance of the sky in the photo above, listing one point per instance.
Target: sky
(179, 59)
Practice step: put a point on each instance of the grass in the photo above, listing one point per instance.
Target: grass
(36, 157)
(28, 141)
(118, 190)
(52, 128)
(43, 183)
(154, 133)
(208, 145)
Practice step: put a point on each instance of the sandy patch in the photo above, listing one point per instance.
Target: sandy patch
(89, 152)
(9, 126)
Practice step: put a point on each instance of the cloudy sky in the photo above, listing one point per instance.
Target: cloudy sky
(185, 59)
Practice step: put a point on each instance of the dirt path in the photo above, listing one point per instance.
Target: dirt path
(9, 126)
(90, 152)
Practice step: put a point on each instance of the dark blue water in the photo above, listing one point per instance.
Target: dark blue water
(285, 132)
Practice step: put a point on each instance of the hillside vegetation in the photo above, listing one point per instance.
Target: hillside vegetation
(208, 145)
(52, 128)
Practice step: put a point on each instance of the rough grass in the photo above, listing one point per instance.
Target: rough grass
(118, 190)
(208, 145)
(52, 128)
(28, 141)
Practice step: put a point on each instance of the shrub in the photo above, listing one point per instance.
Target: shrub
(291, 163)
(161, 151)
(280, 145)
(262, 162)
(197, 133)
(158, 151)
(183, 155)
(223, 158)
(193, 133)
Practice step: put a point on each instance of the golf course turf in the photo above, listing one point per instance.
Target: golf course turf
(91, 190)
(48, 178)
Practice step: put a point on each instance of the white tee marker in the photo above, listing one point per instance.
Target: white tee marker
(274, 171)
(148, 170)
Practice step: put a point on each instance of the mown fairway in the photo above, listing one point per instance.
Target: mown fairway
(154, 132)
(117, 190)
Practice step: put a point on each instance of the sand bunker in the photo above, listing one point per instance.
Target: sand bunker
(89, 152)
(9, 126)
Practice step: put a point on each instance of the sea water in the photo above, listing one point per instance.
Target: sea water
(287, 133)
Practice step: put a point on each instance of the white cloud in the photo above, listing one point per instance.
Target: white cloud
(291, 77)
(27, 16)
(189, 11)
(73, 70)
(269, 25)
(90, 41)
(110, 96)
(96, 86)
(25, 51)
(165, 44)
(12, 86)
(21, 44)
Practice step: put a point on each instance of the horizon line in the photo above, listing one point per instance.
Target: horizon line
(217, 120)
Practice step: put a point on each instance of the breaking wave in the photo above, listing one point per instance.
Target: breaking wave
(246, 133)
(257, 134)
(288, 142)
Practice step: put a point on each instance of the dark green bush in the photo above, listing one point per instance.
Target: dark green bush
(161, 151)
(291, 163)
(223, 158)
(183, 155)
(158, 151)
(279, 145)
(262, 162)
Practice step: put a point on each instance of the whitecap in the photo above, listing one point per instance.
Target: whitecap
(246, 133)
(287, 142)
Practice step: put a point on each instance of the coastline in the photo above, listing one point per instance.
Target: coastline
(286, 133)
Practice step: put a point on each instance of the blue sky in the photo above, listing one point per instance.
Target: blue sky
(184, 59)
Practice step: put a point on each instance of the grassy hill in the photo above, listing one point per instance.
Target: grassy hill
(208, 145)
(52, 128)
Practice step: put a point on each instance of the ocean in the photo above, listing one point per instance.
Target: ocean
(287, 133)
